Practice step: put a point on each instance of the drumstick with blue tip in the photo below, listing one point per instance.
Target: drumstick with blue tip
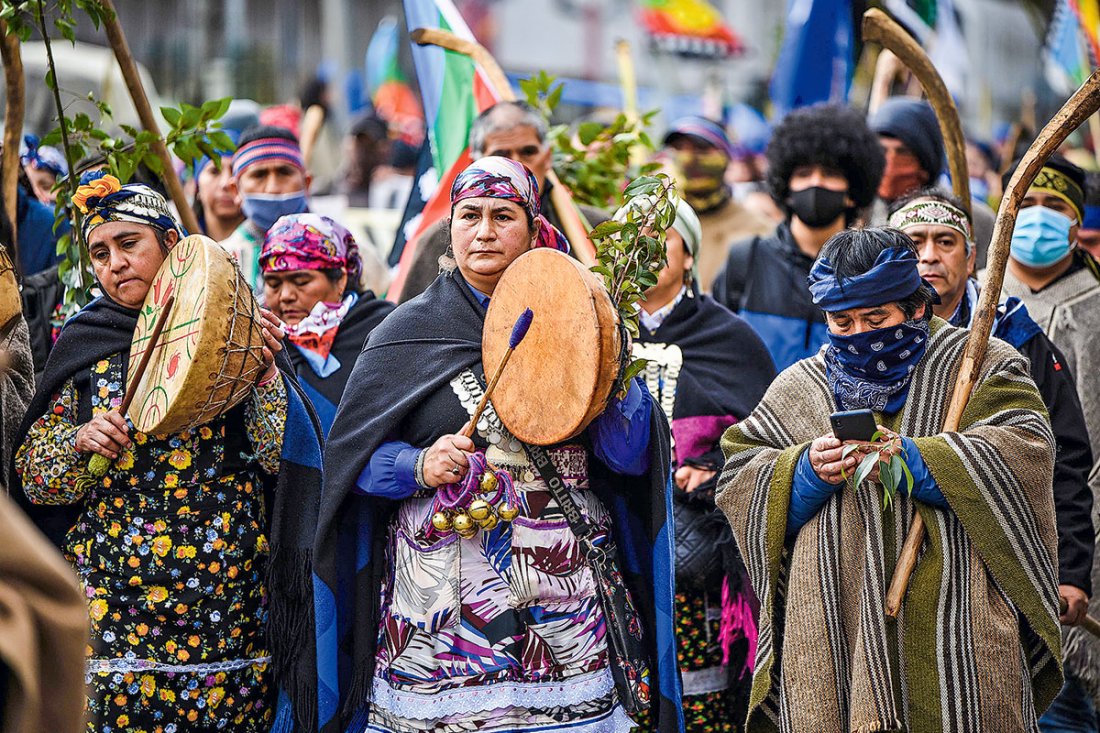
(98, 464)
(519, 331)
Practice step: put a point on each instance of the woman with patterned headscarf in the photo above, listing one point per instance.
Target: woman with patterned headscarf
(311, 270)
(191, 627)
(496, 626)
(707, 369)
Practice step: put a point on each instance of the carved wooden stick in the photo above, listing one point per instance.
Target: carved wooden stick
(1076, 111)
(881, 28)
(572, 223)
(13, 127)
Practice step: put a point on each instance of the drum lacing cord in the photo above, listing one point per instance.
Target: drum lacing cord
(249, 368)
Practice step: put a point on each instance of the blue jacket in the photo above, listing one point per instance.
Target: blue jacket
(764, 281)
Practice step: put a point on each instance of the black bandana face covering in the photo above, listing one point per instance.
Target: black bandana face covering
(817, 206)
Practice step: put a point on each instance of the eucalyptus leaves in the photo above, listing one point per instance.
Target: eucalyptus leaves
(884, 451)
(594, 158)
(630, 250)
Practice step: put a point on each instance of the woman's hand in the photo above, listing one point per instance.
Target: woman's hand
(445, 461)
(827, 461)
(273, 333)
(106, 434)
(689, 478)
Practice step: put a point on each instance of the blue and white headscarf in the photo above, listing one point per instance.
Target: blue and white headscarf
(101, 198)
(42, 157)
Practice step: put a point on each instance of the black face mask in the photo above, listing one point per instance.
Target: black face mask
(817, 206)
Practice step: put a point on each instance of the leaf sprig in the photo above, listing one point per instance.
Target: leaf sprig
(630, 251)
(891, 470)
(594, 158)
(192, 131)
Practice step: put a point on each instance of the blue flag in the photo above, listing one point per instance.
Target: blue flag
(815, 63)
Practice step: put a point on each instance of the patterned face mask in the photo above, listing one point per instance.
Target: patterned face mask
(704, 178)
(871, 370)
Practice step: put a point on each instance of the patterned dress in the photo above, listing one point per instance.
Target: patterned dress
(503, 631)
(170, 548)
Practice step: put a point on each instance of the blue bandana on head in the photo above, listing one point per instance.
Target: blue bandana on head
(893, 277)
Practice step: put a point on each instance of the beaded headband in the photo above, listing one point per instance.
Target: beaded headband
(937, 213)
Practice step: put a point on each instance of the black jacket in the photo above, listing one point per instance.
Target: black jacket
(764, 281)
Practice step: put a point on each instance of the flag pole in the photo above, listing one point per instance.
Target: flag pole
(573, 224)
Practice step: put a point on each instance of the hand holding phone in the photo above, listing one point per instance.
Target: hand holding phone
(854, 425)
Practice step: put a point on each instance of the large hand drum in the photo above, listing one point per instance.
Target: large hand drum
(559, 378)
(209, 355)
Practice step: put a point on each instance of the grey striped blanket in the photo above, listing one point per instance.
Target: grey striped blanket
(977, 646)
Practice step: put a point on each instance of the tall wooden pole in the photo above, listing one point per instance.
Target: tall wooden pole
(1072, 115)
(145, 114)
(13, 126)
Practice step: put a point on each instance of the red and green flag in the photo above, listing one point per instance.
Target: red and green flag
(454, 91)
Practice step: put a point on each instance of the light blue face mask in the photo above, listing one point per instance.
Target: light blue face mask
(264, 209)
(1041, 237)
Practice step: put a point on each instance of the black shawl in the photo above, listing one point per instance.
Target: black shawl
(351, 336)
(411, 355)
(104, 328)
(726, 366)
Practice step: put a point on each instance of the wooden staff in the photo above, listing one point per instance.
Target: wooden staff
(573, 224)
(13, 127)
(11, 303)
(145, 114)
(881, 28)
(1083, 103)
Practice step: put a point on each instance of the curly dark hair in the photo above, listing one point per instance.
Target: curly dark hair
(832, 136)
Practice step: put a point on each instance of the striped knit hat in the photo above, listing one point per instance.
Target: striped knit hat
(262, 144)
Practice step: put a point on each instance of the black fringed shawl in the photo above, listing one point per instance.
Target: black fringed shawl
(351, 337)
(412, 355)
(104, 328)
(726, 371)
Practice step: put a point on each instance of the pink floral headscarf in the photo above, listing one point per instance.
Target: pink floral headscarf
(310, 242)
(503, 178)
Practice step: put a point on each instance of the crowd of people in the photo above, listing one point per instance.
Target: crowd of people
(294, 563)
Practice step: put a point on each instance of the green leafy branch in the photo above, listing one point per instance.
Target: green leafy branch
(192, 133)
(594, 158)
(630, 250)
(891, 470)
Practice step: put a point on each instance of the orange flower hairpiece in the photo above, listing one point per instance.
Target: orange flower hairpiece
(100, 187)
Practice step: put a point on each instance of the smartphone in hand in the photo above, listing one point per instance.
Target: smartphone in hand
(853, 425)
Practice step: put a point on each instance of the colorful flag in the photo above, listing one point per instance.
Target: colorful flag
(815, 63)
(389, 91)
(692, 28)
(1088, 15)
(1066, 63)
(454, 91)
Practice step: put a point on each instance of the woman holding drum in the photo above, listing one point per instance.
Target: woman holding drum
(484, 615)
(707, 369)
(171, 545)
(311, 269)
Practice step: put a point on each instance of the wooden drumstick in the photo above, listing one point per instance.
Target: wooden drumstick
(98, 464)
(523, 323)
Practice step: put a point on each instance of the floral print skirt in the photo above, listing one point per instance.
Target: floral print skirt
(500, 632)
(174, 583)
